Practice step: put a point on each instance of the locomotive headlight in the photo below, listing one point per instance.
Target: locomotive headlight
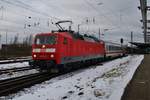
(36, 50)
(43, 46)
(52, 50)
(52, 56)
(34, 56)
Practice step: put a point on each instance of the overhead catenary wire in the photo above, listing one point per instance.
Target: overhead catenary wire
(100, 13)
(105, 17)
(27, 7)
(117, 26)
(18, 23)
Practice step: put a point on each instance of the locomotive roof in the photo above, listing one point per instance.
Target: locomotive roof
(84, 37)
(74, 35)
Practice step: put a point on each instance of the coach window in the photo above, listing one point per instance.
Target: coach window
(65, 41)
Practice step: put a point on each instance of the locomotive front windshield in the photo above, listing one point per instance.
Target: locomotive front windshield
(45, 40)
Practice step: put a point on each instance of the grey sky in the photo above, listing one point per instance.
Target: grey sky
(119, 16)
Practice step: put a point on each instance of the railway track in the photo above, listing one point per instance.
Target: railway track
(13, 61)
(4, 71)
(15, 84)
(14, 58)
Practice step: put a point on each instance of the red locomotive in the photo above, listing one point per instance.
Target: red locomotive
(67, 47)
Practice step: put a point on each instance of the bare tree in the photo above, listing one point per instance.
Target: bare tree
(30, 40)
(15, 40)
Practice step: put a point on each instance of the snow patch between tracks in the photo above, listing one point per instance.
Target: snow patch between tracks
(15, 74)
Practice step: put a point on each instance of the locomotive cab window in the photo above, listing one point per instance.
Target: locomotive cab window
(65, 41)
(45, 39)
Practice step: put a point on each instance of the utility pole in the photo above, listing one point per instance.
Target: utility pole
(6, 45)
(99, 33)
(131, 42)
(2, 12)
(6, 37)
(0, 45)
(79, 27)
(131, 38)
(0, 41)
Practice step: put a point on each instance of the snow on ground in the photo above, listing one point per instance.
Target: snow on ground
(105, 82)
(15, 74)
(14, 65)
(5, 60)
(12, 60)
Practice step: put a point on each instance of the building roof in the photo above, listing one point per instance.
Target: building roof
(141, 45)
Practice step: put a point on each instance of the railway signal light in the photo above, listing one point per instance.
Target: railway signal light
(121, 40)
(29, 17)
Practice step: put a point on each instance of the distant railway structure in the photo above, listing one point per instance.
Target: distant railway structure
(146, 29)
(142, 47)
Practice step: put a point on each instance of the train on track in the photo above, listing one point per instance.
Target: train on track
(66, 47)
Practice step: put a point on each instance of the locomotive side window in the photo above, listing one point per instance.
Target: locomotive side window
(45, 40)
(65, 41)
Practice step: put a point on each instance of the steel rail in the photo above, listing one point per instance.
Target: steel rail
(9, 70)
(14, 61)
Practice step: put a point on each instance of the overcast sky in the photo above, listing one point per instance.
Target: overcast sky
(119, 17)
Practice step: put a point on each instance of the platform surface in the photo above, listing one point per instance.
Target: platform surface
(139, 87)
